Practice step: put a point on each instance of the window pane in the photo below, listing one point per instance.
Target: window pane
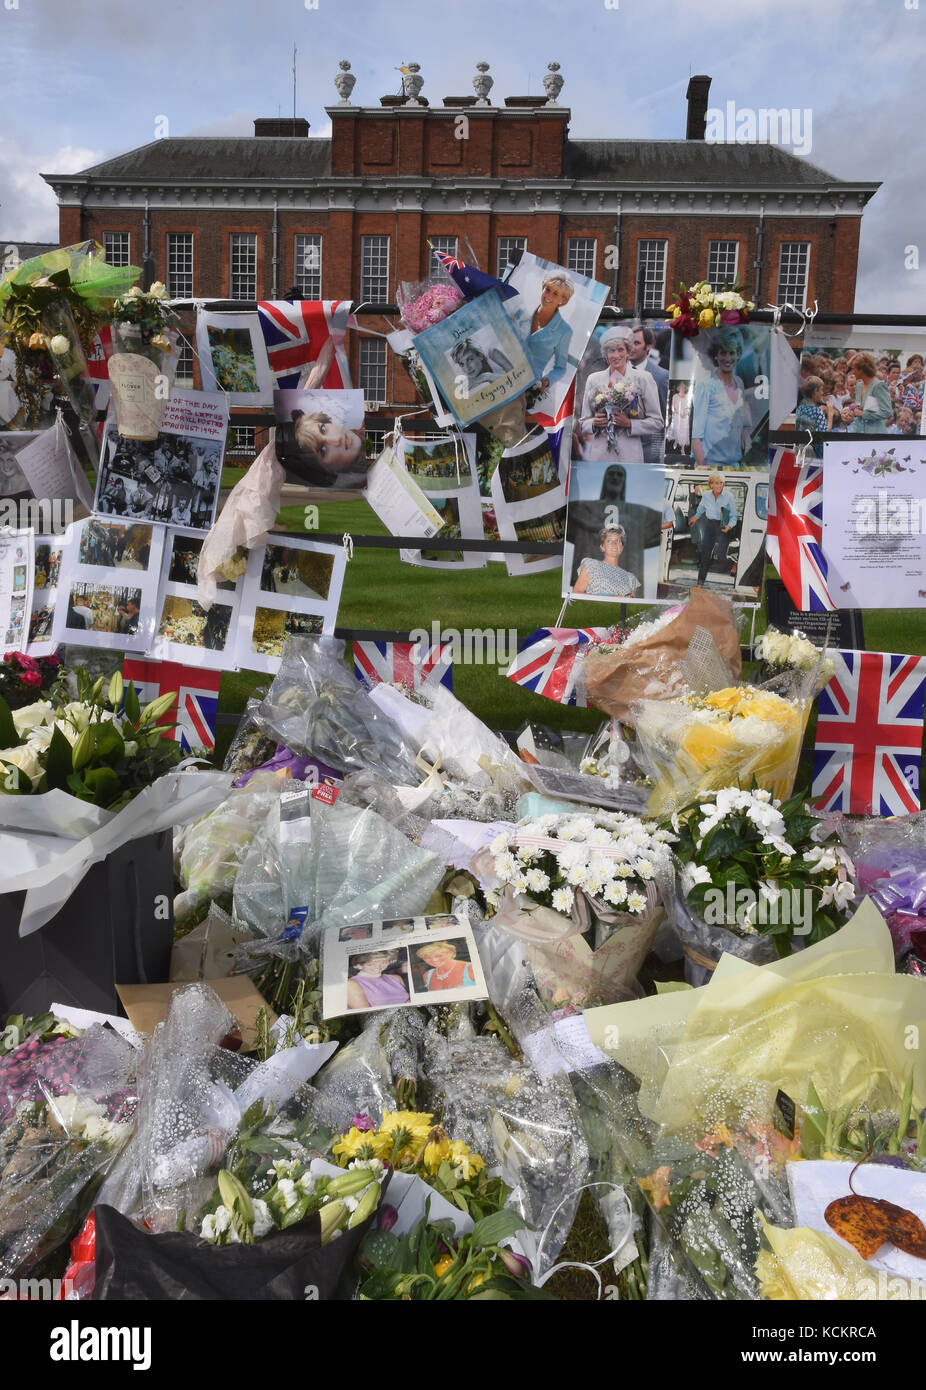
(447, 246)
(374, 269)
(721, 263)
(792, 273)
(180, 265)
(184, 370)
(372, 365)
(308, 265)
(116, 246)
(507, 245)
(580, 255)
(651, 274)
(375, 443)
(243, 266)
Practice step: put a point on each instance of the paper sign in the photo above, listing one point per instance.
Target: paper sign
(52, 470)
(408, 960)
(563, 1046)
(16, 576)
(874, 522)
(397, 499)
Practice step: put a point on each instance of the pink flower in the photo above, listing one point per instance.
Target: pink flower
(362, 1122)
(31, 678)
(429, 308)
(733, 316)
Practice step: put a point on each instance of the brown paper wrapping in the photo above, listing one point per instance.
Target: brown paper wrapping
(652, 669)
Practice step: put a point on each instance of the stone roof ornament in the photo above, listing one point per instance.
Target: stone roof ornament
(344, 82)
(552, 83)
(483, 83)
(412, 83)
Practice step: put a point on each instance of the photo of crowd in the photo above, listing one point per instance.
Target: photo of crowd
(858, 390)
(102, 608)
(273, 625)
(184, 622)
(529, 474)
(436, 465)
(114, 545)
(171, 479)
(302, 573)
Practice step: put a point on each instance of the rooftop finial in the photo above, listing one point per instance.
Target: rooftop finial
(344, 82)
(483, 83)
(552, 83)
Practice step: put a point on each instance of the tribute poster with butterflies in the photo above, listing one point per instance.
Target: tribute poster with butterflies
(874, 522)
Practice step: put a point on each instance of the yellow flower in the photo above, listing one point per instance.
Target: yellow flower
(466, 1163)
(436, 1151)
(706, 318)
(418, 1125)
(724, 699)
(657, 1186)
(443, 1264)
(350, 1144)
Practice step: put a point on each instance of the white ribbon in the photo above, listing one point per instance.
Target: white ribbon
(347, 541)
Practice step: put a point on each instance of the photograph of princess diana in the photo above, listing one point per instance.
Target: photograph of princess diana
(613, 531)
(619, 417)
(727, 371)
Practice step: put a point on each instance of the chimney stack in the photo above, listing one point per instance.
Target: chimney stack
(698, 88)
(276, 126)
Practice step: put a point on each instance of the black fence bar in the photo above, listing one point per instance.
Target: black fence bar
(609, 311)
(433, 543)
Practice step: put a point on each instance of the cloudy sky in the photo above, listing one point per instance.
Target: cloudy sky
(87, 79)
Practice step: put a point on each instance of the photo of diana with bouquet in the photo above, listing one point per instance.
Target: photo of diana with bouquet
(619, 403)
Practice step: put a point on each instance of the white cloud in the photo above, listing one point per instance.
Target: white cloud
(28, 209)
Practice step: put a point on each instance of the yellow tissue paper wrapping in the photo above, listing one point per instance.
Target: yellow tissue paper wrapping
(806, 1265)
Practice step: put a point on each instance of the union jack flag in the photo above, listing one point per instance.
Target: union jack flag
(556, 424)
(866, 759)
(546, 662)
(196, 708)
(295, 333)
(393, 663)
(795, 531)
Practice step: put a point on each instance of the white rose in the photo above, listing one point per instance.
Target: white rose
(60, 345)
(31, 716)
(131, 748)
(77, 713)
(158, 290)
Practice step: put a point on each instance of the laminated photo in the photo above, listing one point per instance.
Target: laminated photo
(477, 358)
(391, 963)
(555, 311)
(173, 479)
(529, 498)
(45, 578)
(613, 530)
(291, 588)
(320, 437)
(108, 584)
(727, 376)
(432, 465)
(713, 533)
(185, 631)
(862, 381)
(16, 583)
(619, 406)
(233, 358)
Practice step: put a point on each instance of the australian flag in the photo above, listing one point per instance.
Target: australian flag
(470, 281)
(196, 708)
(393, 663)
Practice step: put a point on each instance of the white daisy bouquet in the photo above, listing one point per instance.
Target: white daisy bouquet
(585, 891)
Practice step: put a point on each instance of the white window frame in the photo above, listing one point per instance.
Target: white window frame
(307, 280)
(573, 257)
(786, 294)
(447, 246)
(372, 348)
(649, 302)
(242, 284)
(375, 255)
(716, 278)
(503, 257)
(177, 241)
(126, 248)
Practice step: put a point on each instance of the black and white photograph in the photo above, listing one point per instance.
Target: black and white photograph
(613, 531)
(320, 437)
(621, 393)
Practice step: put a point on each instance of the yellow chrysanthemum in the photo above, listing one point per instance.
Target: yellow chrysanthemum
(728, 698)
(349, 1145)
(436, 1151)
(418, 1125)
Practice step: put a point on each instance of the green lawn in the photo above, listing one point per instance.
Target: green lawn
(380, 592)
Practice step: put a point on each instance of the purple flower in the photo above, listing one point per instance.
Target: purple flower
(517, 1265)
(362, 1122)
(388, 1216)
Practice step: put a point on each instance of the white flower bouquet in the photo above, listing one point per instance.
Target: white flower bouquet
(585, 892)
(782, 651)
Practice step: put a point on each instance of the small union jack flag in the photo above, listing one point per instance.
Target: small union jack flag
(866, 759)
(197, 705)
(393, 663)
(546, 662)
(295, 333)
(795, 531)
